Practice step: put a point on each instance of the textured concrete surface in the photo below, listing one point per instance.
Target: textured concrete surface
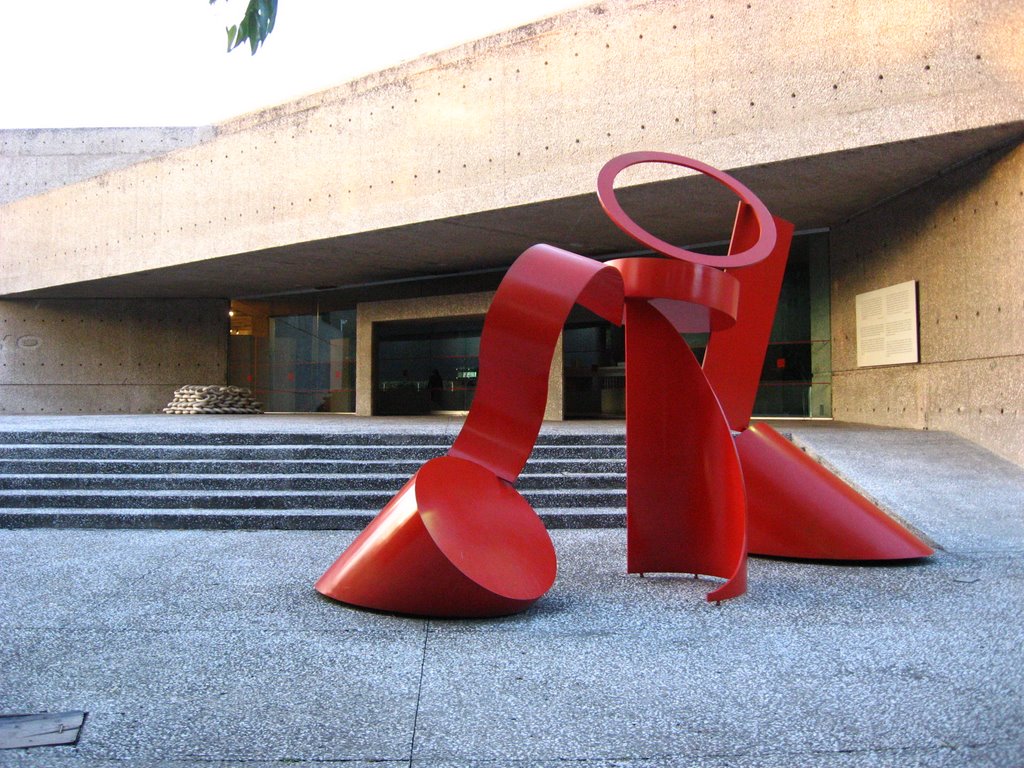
(461, 159)
(196, 648)
(107, 356)
(970, 308)
(37, 159)
(213, 424)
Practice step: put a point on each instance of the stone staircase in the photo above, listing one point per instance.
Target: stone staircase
(266, 480)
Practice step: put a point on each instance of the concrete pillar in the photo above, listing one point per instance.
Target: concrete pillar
(819, 286)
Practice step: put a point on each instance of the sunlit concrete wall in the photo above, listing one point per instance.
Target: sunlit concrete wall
(107, 356)
(38, 159)
(531, 115)
(98, 356)
(961, 237)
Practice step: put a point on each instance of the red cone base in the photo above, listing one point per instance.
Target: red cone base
(797, 508)
(456, 541)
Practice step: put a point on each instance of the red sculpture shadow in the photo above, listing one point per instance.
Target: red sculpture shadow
(703, 487)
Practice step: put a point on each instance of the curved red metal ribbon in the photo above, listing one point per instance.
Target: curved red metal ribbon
(756, 250)
(734, 356)
(694, 298)
(685, 504)
(519, 338)
(797, 508)
(458, 539)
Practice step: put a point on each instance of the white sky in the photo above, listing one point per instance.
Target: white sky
(107, 63)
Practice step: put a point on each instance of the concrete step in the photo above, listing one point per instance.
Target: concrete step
(223, 453)
(199, 483)
(272, 439)
(390, 482)
(255, 519)
(231, 453)
(561, 466)
(229, 480)
(206, 467)
(269, 499)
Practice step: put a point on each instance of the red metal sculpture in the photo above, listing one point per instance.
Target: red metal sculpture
(458, 539)
(704, 487)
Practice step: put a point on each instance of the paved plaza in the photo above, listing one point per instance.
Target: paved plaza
(210, 648)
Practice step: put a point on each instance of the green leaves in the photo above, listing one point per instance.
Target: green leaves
(256, 24)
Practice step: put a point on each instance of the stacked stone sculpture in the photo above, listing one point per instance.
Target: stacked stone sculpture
(196, 398)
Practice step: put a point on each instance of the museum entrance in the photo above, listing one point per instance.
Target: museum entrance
(297, 358)
(426, 366)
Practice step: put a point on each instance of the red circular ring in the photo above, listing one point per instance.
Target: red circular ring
(606, 194)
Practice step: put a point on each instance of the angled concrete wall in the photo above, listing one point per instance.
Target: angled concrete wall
(531, 115)
(962, 238)
(107, 356)
(35, 160)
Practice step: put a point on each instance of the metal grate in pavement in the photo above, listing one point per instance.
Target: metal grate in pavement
(44, 730)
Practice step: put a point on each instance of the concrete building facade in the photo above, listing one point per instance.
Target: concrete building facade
(356, 235)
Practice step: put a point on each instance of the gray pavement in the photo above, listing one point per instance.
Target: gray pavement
(210, 648)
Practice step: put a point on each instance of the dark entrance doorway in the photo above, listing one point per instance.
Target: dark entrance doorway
(426, 366)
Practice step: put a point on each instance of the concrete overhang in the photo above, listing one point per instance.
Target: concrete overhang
(817, 191)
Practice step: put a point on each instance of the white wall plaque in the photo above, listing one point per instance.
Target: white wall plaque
(887, 325)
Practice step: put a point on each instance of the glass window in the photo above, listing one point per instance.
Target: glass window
(428, 366)
(796, 377)
(298, 363)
